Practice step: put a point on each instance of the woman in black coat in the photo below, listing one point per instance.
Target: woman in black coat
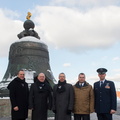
(19, 92)
(40, 98)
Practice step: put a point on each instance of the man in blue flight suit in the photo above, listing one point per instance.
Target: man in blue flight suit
(105, 96)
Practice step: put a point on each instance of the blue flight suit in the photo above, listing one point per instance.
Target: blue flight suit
(105, 99)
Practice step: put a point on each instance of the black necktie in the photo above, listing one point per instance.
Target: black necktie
(101, 83)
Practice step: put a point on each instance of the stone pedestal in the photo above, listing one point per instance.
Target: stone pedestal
(5, 108)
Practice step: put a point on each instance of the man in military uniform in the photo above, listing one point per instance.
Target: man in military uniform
(105, 96)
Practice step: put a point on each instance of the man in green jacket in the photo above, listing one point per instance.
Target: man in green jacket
(84, 99)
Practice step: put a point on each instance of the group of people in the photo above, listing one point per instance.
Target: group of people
(63, 99)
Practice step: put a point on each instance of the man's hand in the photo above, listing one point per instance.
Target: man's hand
(112, 111)
(54, 111)
(69, 112)
(16, 108)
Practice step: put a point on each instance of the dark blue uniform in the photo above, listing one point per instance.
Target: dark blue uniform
(105, 99)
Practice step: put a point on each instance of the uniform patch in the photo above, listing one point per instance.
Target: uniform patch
(107, 86)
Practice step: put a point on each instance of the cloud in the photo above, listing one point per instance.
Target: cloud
(115, 77)
(116, 70)
(67, 64)
(67, 28)
(9, 29)
(76, 31)
(116, 58)
(84, 4)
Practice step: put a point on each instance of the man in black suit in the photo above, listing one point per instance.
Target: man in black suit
(105, 96)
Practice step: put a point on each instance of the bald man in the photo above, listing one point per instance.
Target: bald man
(18, 92)
(40, 98)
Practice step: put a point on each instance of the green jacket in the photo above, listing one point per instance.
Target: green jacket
(84, 99)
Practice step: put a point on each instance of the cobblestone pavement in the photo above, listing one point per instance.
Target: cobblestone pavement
(93, 117)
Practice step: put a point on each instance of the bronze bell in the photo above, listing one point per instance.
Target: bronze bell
(28, 54)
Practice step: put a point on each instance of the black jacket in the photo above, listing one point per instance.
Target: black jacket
(63, 101)
(40, 100)
(19, 92)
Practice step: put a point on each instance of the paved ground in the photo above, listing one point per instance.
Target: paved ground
(93, 117)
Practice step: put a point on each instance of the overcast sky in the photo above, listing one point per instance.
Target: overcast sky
(82, 35)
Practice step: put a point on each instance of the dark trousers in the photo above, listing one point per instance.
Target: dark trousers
(104, 116)
(81, 117)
